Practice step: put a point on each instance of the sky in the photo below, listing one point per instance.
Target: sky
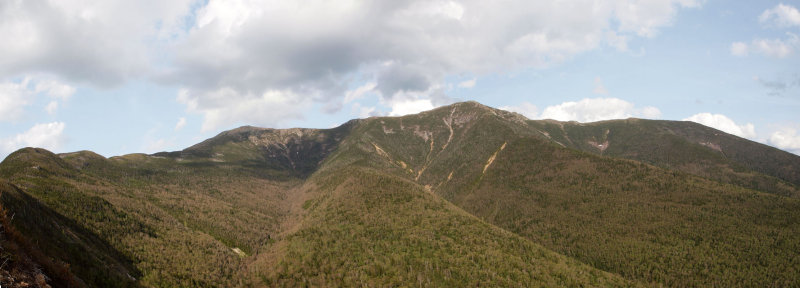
(119, 77)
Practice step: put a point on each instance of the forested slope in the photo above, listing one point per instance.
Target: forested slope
(463, 195)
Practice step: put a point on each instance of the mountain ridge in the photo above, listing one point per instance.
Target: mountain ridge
(257, 205)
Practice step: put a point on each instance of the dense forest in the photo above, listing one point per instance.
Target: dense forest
(463, 195)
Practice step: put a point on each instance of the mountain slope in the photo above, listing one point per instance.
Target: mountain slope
(37, 215)
(684, 146)
(367, 228)
(236, 216)
(178, 224)
(643, 222)
(462, 195)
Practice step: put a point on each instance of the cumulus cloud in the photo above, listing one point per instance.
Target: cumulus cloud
(786, 138)
(225, 106)
(468, 83)
(526, 109)
(360, 92)
(181, 123)
(597, 109)
(51, 107)
(13, 99)
(725, 124)
(646, 17)
(781, 15)
(586, 110)
(55, 89)
(315, 49)
(405, 107)
(362, 111)
(16, 95)
(312, 50)
(46, 135)
(100, 42)
(778, 48)
(739, 49)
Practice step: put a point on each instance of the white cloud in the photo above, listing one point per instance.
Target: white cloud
(405, 107)
(224, 107)
(778, 48)
(14, 96)
(786, 138)
(314, 50)
(620, 42)
(55, 89)
(526, 109)
(468, 84)
(311, 50)
(597, 109)
(100, 42)
(181, 123)
(364, 111)
(359, 92)
(438, 9)
(645, 17)
(781, 16)
(51, 107)
(739, 49)
(46, 135)
(599, 88)
(725, 124)
(649, 112)
(13, 99)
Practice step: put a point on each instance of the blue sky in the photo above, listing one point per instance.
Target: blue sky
(119, 77)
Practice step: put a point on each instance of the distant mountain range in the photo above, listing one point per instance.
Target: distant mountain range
(460, 196)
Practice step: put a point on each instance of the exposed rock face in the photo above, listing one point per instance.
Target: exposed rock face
(712, 146)
(600, 146)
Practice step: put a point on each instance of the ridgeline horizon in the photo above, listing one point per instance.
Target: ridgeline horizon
(461, 195)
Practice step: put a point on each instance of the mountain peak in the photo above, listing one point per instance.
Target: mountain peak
(470, 105)
(419, 189)
(35, 160)
(243, 129)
